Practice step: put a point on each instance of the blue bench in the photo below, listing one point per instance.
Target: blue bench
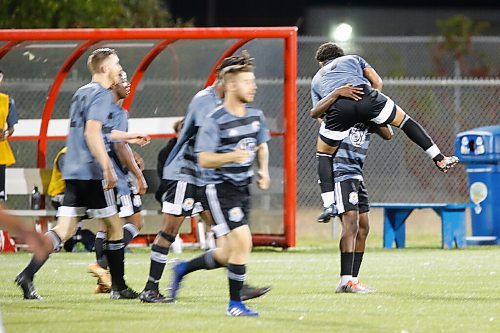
(452, 221)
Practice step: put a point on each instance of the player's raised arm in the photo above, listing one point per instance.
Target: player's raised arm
(323, 105)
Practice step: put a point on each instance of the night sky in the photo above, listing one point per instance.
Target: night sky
(274, 13)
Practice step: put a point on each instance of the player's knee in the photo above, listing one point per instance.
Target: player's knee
(64, 233)
(350, 222)
(363, 231)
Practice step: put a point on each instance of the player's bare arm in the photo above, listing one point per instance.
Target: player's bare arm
(140, 139)
(127, 157)
(95, 143)
(348, 91)
(373, 77)
(264, 181)
(211, 160)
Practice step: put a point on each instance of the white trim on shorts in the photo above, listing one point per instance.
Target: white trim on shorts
(386, 111)
(126, 206)
(175, 208)
(102, 213)
(221, 228)
(333, 135)
(67, 211)
(338, 197)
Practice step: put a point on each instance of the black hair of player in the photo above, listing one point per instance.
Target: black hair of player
(328, 51)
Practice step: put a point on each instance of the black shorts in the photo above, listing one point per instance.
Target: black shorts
(182, 198)
(129, 204)
(345, 113)
(229, 206)
(350, 195)
(87, 197)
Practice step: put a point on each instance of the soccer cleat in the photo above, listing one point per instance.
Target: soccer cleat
(26, 284)
(102, 275)
(351, 287)
(126, 293)
(153, 296)
(248, 292)
(447, 163)
(327, 213)
(238, 309)
(367, 289)
(178, 275)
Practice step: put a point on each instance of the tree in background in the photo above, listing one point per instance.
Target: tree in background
(84, 14)
(457, 32)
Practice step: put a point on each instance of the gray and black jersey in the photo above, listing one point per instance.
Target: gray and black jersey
(223, 132)
(119, 121)
(336, 73)
(90, 102)
(350, 157)
(181, 163)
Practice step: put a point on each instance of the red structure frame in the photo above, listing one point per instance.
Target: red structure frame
(89, 37)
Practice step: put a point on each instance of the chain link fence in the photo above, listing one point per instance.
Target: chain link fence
(395, 171)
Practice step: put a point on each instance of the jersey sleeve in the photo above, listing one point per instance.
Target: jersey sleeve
(100, 106)
(363, 63)
(12, 114)
(208, 138)
(315, 94)
(264, 134)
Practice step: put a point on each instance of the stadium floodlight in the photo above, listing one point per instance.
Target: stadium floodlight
(342, 32)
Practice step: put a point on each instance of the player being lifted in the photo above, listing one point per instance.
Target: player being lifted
(338, 69)
(184, 189)
(130, 186)
(229, 140)
(88, 173)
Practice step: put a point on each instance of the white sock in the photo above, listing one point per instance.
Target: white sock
(344, 279)
(328, 199)
(355, 280)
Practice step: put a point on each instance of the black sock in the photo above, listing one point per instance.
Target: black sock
(416, 133)
(325, 174)
(100, 241)
(358, 258)
(236, 276)
(3, 194)
(35, 264)
(346, 262)
(116, 257)
(205, 261)
(158, 261)
(130, 231)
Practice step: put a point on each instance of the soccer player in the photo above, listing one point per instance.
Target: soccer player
(129, 188)
(338, 69)
(89, 174)
(229, 140)
(182, 189)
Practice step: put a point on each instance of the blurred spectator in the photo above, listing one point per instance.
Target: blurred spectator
(8, 117)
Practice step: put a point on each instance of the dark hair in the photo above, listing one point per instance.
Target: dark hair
(97, 57)
(328, 51)
(233, 64)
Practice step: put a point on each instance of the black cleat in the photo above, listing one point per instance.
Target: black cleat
(248, 292)
(153, 296)
(327, 214)
(126, 293)
(27, 286)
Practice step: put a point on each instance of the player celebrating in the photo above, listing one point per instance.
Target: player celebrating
(89, 174)
(183, 189)
(338, 69)
(229, 140)
(129, 187)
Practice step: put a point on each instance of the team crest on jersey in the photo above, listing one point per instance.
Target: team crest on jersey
(255, 125)
(357, 134)
(235, 214)
(353, 198)
(188, 204)
(249, 145)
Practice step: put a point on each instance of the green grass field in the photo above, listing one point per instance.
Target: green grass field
(420, 289)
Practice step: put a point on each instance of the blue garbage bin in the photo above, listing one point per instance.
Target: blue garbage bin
(479, 150)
